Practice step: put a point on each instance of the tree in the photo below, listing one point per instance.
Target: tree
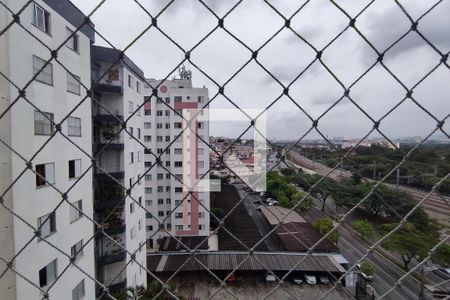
(408, 242)
(324, 226)
(367, 268)
(364, 228)
(442, 255)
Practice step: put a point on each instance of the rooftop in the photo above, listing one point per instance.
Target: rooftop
(274, 214)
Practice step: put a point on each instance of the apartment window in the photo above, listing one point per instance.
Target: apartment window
(167, 100)
(177, 202)
(178, 190)
(78, 291)
(178, 227)
(158, 101)
(159, 125)
(138, 87)
(130, 81)
(160, 176)
(167, 125)
(147, 112)
(159, 150)
(178, 151)
(159, 138)
(148, 215)
(160, 201)
(73, 84)
(160, 213)
(139, 224)
(72, 43)
(131, 208)
(139, 155)
(168, 188)
(131, 181)
(73, 126)
(201, 227)
(179, 176)
(43, 123)
(177, 125)
(167, 113)
(46, 74)
(201, 215)
(48, 274)
(46, 172)
(148, 177)
(74, 168)
(140, 200)
(167, 174)
(41, 18)
(201, 151)
(168, 201)
(167, 163)
(147, 164)
(149, 228)
(76, 251)
(167, 138)
(201, 164)
(139, 133)
(76, 211)
(160, 189)
(178, 164)
(47, 224)
(131, 157)
(133, 232)
(147, 138)
(148, 202)
(178, 215)
(178, 112)
(159, 113)
(201, 125)
(169, 226)
(177, 98)
(147, 125)
(200, 99)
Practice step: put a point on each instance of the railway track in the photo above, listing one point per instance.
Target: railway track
(434, 202)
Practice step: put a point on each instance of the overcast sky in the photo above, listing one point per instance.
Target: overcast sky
(254, 22)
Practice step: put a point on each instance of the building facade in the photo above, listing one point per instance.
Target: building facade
(53, 197)
(118, 94)
(183, 159)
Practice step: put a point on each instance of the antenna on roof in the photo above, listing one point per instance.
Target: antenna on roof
(184, 73)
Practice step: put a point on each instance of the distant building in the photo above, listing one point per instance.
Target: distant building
(186, 159)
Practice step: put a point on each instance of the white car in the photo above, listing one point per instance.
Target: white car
(324, 280)
(270, 278)
(310, 279)
(268, 200)
(297, 280)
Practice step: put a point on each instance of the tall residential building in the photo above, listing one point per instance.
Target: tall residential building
(118, 90)
(58, 195)
(186, 160)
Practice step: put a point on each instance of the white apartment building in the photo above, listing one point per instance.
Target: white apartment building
(118, 89)
(60, 165)
(187, 158)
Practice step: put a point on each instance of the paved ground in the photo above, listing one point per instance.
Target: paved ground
(249, 288)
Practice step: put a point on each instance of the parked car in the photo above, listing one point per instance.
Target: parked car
(231, 278)
(268, 200)
(364, 275)
(297, 280)
(324, 280)
(262, 194)
(310, 279)
(270, 277)
(257, 201)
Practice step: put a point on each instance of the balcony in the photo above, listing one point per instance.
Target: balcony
(110, 88)
(100, 176)
(107, 196)
(108, 118)
(111, 258)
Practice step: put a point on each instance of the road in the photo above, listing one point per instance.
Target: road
(261, 223)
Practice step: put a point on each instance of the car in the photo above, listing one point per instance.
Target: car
(297, 280)
(262, 194)
(257, 201)
(259, 208)
(231, 278)
(310, 279)
(270, 277)
(324, 280)
(442, 272)
(268, 200)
